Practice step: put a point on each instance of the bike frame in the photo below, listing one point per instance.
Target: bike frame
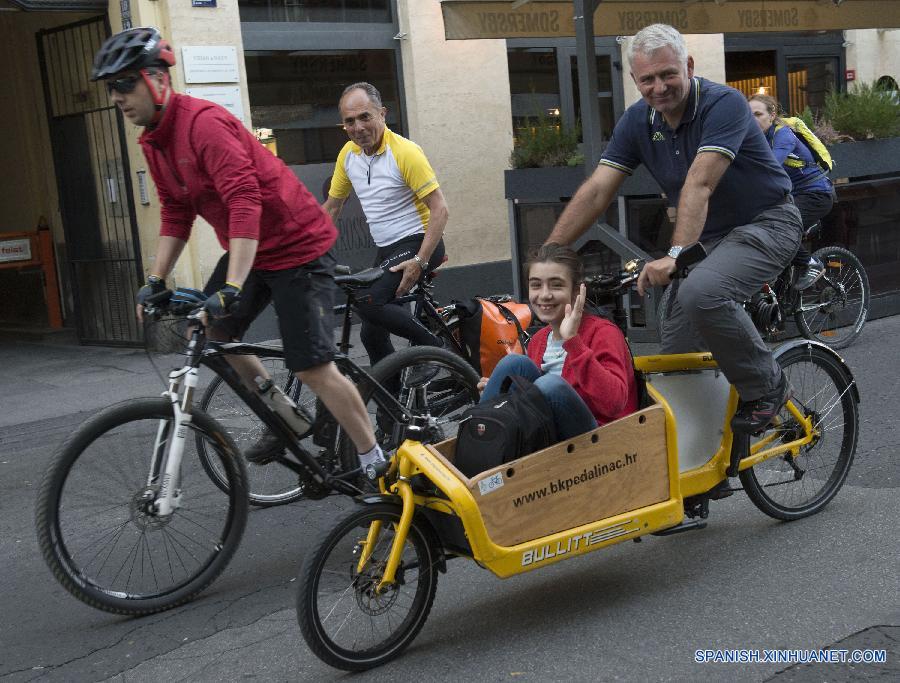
(170, 438)
(413, 458)
(423, 306)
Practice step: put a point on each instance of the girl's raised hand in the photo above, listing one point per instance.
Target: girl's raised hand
(568, 328)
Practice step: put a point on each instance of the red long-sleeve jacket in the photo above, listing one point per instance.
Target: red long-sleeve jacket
(204, 162)
(598, 365)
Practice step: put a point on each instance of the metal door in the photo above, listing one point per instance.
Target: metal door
(102, 264)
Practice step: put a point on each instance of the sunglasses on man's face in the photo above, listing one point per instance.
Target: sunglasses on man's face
(123, 85)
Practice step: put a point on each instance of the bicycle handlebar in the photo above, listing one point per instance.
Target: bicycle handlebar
(160, 304)
(617, 284)
(614, 284)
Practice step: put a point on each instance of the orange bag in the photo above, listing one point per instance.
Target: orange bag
(493, 327)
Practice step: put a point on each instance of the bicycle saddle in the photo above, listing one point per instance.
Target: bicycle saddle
(363, 278)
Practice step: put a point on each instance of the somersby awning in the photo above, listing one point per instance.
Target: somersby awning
(546, 18)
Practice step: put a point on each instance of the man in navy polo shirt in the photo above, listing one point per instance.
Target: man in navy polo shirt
(700, 143)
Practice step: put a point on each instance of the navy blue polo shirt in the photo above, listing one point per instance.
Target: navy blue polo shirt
(716, 119)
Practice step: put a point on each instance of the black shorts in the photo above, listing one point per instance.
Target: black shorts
(304, 303)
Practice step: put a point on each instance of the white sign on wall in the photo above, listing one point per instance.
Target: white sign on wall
(210, 64)
(15, 250)
(229, 96)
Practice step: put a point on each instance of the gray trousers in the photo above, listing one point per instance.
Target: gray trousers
(706, 312)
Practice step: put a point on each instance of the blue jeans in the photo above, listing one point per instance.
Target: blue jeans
(571, 416)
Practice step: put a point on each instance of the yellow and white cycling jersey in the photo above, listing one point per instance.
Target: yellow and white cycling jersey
(390, 184)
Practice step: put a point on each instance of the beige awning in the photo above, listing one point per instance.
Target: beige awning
(554, 18)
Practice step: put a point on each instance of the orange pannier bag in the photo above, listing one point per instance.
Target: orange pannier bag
(491, 328)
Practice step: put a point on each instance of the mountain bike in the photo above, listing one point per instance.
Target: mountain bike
(368, 584)
(832, 311)
(444, 397)
(145, 503)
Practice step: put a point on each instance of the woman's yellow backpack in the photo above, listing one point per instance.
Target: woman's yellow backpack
(819, 152)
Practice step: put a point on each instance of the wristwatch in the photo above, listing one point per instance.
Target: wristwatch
(674, 251)
(419, 261)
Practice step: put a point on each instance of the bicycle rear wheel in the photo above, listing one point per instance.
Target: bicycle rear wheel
(430, 382)
(788, 487)
(344, 620)
(95, 523)
(833, 311)
(269, 484)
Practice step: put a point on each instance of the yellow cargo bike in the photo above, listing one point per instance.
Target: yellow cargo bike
(368, 585)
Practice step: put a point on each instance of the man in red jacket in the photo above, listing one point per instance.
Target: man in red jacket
(276, 236)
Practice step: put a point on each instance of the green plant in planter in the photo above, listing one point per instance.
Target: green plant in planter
(864, 113)
(822, 128)
(543, 142)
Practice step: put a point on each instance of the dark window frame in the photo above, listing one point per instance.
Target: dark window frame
(328, 37)
(791, 46)
(565, 49)
(392, 8)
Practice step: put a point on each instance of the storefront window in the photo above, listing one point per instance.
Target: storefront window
(604, 93)
(543, 81)
(797, 69)
(808, 82)
(333, 11)
(295, 95)
(534, 86)
(752, 72)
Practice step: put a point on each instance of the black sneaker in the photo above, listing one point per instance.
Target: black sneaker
(268, 447)
(814, 271)
(755, 416)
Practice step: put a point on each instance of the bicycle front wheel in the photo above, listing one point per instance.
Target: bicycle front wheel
(96, 525)
(431, 382)
(790, 487)
(269, 484)
(833, 311)
(344, 619)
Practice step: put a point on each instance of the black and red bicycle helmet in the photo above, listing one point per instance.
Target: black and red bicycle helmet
(134, 49)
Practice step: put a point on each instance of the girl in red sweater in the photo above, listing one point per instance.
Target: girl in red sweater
(579, 361)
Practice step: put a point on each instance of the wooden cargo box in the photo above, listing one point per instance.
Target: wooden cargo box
(616, 468)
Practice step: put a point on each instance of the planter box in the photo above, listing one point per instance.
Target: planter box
(852, 160)
(866, 158)
(560, 183)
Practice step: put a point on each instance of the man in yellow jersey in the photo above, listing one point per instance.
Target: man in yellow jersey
(405, 210)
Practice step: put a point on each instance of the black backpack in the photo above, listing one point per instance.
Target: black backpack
(514, 424)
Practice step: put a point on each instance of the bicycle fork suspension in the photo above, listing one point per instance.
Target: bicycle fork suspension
(168, 449)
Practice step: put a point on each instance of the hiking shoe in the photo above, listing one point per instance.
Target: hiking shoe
(810, 276)
(268, 447)
(755, 416)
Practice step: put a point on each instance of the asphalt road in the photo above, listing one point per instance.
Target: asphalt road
(634, 612)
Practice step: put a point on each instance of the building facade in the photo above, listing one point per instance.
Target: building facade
(281, 65)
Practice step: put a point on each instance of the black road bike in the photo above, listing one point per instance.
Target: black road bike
(144, 504)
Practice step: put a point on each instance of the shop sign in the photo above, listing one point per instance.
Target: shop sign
(227, 96)
(210, 64)
(203, 3)
(15, 250)
(554, 18)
